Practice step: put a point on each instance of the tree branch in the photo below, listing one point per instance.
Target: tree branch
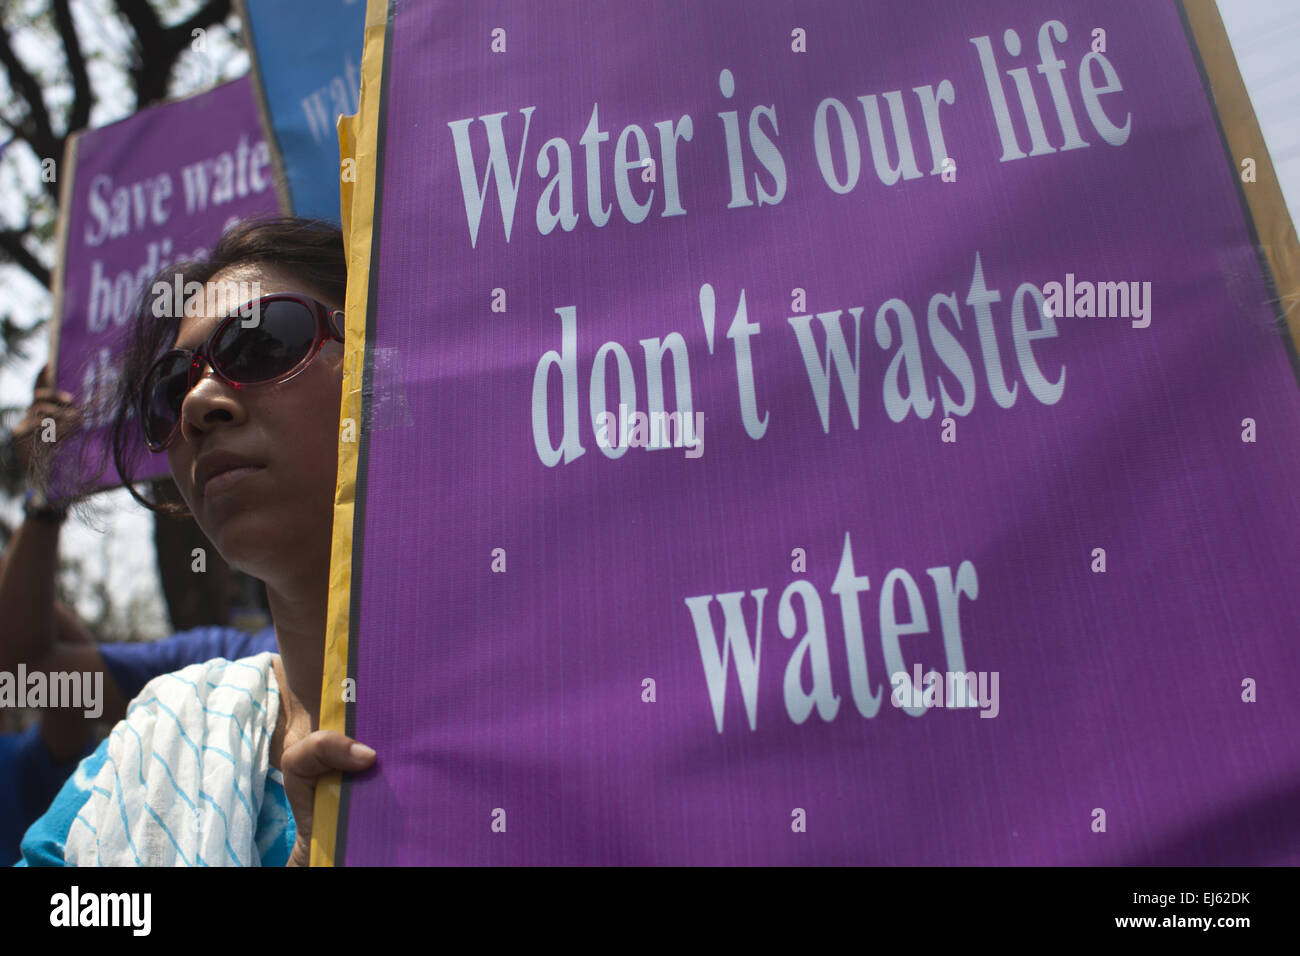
(35, 126)
(11, 246)
(82, 96)
(148, 74)
(212, 12)
(144, 22)
(157, 47)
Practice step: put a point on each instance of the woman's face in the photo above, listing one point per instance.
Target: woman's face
(271, 519)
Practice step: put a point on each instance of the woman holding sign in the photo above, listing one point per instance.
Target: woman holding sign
(238, 379)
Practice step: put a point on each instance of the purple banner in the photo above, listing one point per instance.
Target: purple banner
(159, 186)
(821, 433)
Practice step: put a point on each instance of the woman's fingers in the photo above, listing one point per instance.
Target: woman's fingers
(62, 414)
(56, 405)
(323, 751)
(320, 752)
(50, 394)
(48, 404)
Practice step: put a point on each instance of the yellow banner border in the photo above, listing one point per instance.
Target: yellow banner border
(359, 160)
(1272, 230)
(68, 170)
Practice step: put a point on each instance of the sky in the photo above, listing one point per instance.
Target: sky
(1264, 34)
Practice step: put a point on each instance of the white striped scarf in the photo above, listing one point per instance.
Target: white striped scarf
(186, 769)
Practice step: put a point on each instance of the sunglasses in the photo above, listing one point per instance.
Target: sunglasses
(263, 342)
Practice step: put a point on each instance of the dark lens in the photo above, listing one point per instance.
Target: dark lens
(164, 391)
(279, 335)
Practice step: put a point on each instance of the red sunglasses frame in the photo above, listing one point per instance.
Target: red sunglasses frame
(327, 329)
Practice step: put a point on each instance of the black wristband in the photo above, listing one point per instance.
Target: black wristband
(36, 506)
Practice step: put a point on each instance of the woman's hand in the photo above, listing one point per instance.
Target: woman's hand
(320, 752)
(47, 402)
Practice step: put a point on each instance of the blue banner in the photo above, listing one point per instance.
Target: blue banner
(307, 62)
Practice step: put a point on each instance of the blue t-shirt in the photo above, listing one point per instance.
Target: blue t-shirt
(133, 665)
(30, 778)
(25, 760)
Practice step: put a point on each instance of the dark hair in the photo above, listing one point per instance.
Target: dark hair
(309, 249)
